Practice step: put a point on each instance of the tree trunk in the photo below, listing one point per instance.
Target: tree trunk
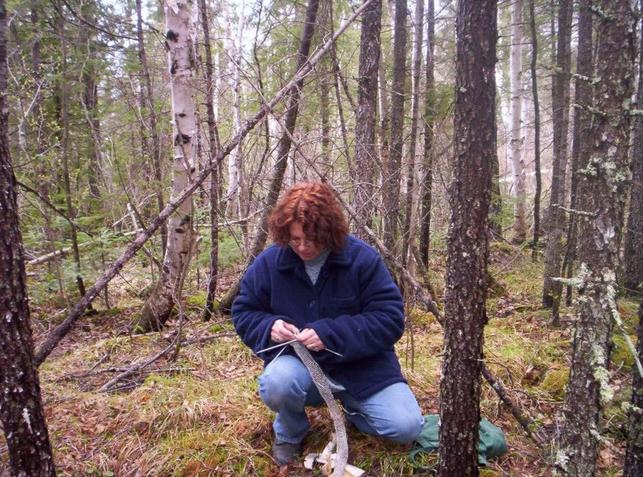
(534, 92)
(495, 209)
(581, 139)
(366, 115)
(213, 150)
(634, 453)
(337, 78)
(560, 116)
(602, 202)
(466, 276)
(42, 143)
(91, 79)
(148, 95)
(324, 109)
(283, 148)
(391, 181)
(63, 117)
(324, 77)
(90, 101)
(633, 254)
(261, 99)
(236, 180)
(384, 107)
(21, 411)
(180, 29)
(426, 190)
(517, 139)
(408, 231)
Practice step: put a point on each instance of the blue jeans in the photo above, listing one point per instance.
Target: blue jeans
(287, 388)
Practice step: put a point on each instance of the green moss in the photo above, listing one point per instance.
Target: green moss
(420, 318)
(621, 354)
(486, 472)
(196, 300)
(555, 382)
(617, 414)
(219, 327)
(628, 309)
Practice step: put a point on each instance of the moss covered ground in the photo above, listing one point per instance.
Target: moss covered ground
(200, 414)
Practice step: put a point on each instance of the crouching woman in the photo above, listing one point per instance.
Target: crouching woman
(331, 292)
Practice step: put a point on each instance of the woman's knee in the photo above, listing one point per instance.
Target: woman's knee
(393, 413)
(285, 379)
(405, 427)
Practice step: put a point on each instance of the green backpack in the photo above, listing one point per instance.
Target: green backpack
(491, 444)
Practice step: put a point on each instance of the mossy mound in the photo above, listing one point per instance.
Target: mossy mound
(555, 382)
(621, 354)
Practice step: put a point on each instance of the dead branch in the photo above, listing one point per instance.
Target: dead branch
(174, 346)
(135, 369)
(48, 257)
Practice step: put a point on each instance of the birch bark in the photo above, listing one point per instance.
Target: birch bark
(180, 35)
(534, 92)
(236, 179)
(517, 140)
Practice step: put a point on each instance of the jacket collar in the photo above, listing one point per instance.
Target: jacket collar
(287, 259)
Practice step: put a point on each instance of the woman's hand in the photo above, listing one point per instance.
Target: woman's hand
(308, 337)
(282, 331)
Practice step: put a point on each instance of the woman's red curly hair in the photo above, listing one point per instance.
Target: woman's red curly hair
(314, 206)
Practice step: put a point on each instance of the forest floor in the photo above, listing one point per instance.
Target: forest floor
(200, 414)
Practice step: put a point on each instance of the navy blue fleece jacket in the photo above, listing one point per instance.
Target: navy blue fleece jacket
(355, 308)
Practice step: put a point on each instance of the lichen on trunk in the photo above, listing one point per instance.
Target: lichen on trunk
(602, 196)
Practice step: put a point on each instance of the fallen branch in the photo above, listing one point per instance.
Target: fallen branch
(76, 312)
(205, 339)
(118, 369)
(48, 257)
(137, 368)
(227, 223)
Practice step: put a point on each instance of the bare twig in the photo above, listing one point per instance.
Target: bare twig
(137, 368)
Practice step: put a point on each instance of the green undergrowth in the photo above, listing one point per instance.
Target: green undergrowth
(200, 414)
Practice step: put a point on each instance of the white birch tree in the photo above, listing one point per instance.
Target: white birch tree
(517, 140)
(180, 27)
(234, 196)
